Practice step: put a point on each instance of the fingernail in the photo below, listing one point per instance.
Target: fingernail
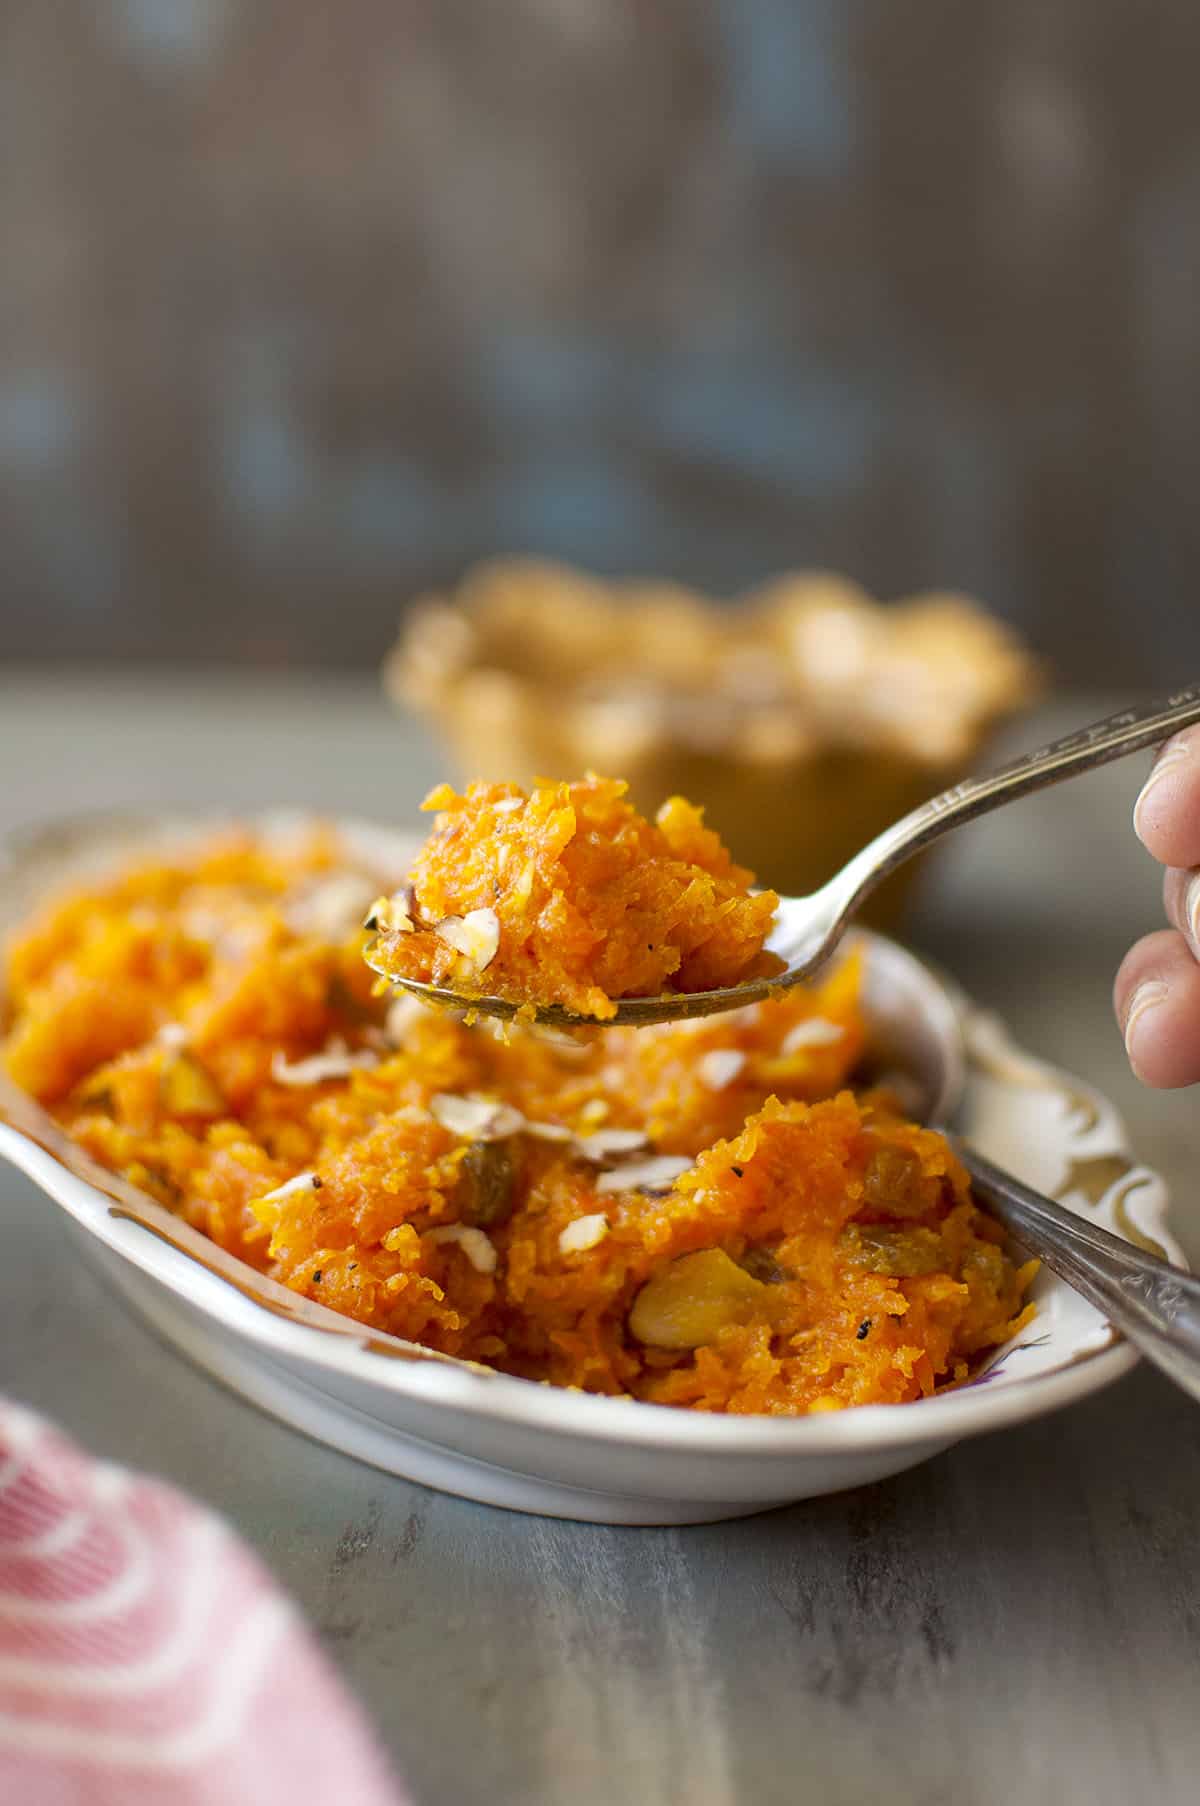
(1149, 994)
(1174, 754)
(1191, 910)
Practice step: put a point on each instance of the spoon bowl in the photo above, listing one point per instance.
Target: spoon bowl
(808, 929)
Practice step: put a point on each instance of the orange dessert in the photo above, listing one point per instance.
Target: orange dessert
(701, 1214)
(566, 895)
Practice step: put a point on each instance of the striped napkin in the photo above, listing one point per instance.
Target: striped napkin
(145, 1655)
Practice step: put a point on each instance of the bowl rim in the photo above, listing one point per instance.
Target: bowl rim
(255, 1308)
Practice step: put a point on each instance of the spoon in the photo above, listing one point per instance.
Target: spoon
(916, 1028)
(1154, 1305)
(807, 929)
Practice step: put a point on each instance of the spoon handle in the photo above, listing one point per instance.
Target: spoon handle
(1154, 1305)
(1077, 752)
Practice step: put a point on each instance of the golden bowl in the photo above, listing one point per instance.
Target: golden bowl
(805, 717)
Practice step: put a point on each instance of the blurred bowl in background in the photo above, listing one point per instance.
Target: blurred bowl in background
(804, 718)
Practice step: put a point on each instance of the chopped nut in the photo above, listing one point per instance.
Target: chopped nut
(394, 913)
(335, 1061)
(601, 1144)
(474, 1243)
(816, 1032)
(690, 1303)
(719, 1068)
(475, 1118)
(302, 1182)
(476, 936)
(650, 1176)
(563, 1043)
(404, 1012)
(748, 1015)
(584, 1233)
(331, 906)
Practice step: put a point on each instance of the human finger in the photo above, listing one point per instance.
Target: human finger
(1166, 816)
(1157, 1000)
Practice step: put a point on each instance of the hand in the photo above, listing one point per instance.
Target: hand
(1157, 991)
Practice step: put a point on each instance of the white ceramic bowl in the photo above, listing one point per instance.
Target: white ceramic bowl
(514, 1443)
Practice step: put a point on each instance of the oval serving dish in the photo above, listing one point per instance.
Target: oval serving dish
(510, 1442)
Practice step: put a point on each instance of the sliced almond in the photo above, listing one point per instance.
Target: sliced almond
(816, 1032)
(331, 907)
(404, 1012)
(601, 1144)
(477, 1246)
(201, 923)
(584, 1233)
(747, 1016)
(560, 1042)
(302, 1182)
(719, 1068)
(475, 1118)
(335, 1061)
(653, 1177)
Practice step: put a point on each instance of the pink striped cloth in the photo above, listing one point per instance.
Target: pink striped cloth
(145, 1655)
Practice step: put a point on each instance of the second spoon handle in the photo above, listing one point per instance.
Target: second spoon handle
(1074, 753)
(1156, 1306)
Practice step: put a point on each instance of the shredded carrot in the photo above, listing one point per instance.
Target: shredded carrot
(702, 1214)
(586, 900)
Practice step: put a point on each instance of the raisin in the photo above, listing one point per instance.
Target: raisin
(486, 1182)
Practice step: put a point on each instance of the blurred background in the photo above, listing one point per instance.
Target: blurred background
(307, 304)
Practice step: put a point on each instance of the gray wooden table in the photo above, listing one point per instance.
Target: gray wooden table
(1018, 1621)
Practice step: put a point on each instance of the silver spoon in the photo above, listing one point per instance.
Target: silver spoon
(807, 929)
(1154, 1305)
(916, 1028)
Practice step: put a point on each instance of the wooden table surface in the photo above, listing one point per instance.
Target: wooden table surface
(1016, 1622)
